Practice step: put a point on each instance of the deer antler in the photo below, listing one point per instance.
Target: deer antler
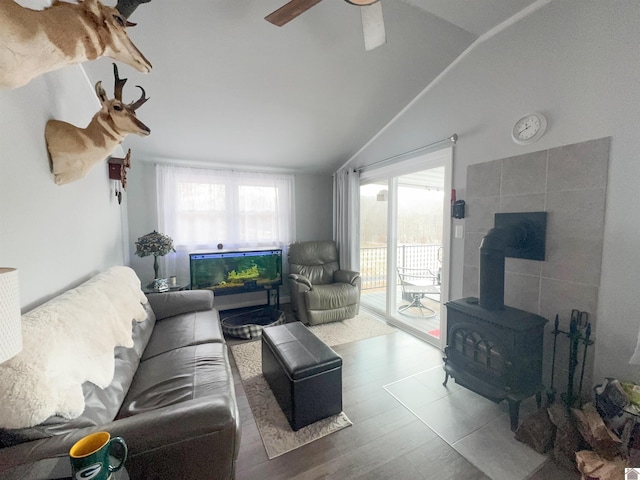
(138, 103)
(117, 90)
(127, 7)
(119, 83)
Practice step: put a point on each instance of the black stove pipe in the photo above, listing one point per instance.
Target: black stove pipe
(492, 255)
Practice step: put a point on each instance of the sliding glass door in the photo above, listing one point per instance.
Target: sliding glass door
(374, 245)
(404, 243)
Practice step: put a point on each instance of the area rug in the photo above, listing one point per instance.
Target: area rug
(277, 436)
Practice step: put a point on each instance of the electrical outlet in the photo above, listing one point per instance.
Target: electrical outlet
(459, 233)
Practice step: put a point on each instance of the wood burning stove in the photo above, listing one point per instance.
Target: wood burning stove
(493, 349)
(495, 353)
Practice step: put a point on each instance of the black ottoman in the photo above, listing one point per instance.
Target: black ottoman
(304, 374)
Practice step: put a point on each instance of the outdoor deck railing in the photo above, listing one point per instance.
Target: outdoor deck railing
(373, 262)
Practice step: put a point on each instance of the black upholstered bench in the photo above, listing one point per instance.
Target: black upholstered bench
(304, 374)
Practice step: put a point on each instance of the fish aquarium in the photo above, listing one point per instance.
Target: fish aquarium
(237, 271)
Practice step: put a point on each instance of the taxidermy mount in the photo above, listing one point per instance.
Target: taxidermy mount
(33, 42)
(73, 151)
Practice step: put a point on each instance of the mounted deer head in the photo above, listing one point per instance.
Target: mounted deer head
(73, 151)
(33, 42)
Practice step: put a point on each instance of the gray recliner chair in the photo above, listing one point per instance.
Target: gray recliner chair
(320, 291)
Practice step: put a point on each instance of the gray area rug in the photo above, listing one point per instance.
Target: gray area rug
(277, 436)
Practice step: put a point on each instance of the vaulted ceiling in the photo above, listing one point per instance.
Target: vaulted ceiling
(229, 88)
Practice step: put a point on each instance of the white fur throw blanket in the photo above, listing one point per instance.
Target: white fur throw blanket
(67, 341)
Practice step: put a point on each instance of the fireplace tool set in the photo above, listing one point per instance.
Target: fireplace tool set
(579, 333)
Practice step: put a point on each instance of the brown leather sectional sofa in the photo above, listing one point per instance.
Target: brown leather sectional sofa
(172, 399)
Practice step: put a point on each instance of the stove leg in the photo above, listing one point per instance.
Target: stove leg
(446, 379)
(514, 412)
(539, 398)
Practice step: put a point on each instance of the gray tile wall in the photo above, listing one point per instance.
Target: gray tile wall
(569, 183)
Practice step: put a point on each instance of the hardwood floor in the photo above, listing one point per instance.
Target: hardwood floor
(386, 440)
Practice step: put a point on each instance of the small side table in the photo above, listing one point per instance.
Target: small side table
(57, 468)
(174, 288)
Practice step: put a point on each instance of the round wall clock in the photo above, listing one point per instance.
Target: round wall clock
(529, 128)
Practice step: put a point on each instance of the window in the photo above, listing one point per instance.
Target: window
(200, 208)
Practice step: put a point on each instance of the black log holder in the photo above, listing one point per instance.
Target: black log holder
(579, 333)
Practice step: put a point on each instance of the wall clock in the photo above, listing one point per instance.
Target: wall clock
(529, 129)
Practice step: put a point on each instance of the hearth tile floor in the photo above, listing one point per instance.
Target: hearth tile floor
(475, 427)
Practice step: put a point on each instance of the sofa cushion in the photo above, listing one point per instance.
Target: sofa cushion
(170, 304)
(103, 404)
(177, 376)
(184, 330)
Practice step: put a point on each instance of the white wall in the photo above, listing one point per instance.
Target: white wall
(575, 61)
(57, 236)
(142, 212)
(314, 207)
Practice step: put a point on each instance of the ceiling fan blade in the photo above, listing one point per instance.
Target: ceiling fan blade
(373, 26)
(289, 11)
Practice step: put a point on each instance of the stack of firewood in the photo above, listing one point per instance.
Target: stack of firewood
(577, 439)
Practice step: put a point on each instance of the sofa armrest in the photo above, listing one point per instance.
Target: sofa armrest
(190, 431)
(168, 304)
(301, 282)
(155, 438)
(347, 276)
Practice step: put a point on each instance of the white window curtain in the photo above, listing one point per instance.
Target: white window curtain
(346, 218)
(201, 208)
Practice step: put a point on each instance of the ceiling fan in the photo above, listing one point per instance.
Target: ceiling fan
(371, 11)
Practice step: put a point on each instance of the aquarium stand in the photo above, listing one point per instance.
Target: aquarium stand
(275, 296)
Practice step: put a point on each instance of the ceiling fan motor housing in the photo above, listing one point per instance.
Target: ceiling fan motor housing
(362, 3)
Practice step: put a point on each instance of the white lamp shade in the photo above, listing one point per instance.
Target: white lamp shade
(10, 324)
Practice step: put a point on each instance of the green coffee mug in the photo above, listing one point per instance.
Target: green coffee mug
(90, 456)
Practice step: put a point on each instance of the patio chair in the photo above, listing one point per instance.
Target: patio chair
(418, 283)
